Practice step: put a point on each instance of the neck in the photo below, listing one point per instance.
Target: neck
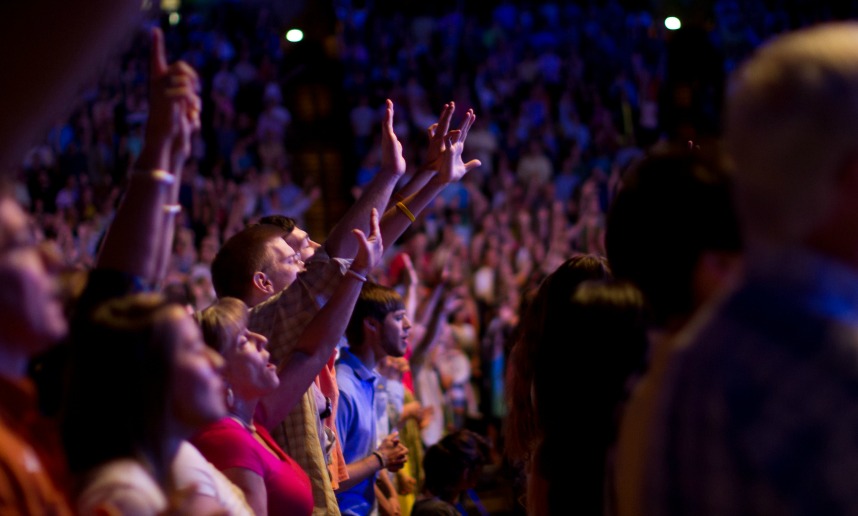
(367, 354)
(243, 410)
(159, 460)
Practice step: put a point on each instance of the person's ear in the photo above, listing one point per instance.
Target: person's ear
(262, 282)
(370, 325)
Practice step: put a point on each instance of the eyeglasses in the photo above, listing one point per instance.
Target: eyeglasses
(293, 259)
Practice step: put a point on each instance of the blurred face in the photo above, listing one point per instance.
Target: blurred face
(31, 312)
(394, 333)
(197, 387)
(284, 264)
(300, 242)
(248, 369)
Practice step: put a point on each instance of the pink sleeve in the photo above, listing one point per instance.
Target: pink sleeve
(226, 444)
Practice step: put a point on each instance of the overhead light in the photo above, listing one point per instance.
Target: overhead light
(672, 23)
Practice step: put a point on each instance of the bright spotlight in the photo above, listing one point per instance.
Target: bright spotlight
(174, 18)
(294, 35)
(672, 23)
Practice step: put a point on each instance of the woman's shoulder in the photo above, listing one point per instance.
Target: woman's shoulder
(121, 485)
(220, 434)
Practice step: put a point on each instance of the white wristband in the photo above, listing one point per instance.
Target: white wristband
(358, 276)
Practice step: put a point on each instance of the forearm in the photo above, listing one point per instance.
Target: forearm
(340, 243)
(414, 185)
(313, 349)
(134, 241)
(433, 329)
(172, 208)
(395, 220)
(360, 471)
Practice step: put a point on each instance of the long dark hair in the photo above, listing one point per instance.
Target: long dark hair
(556, 289)
(120, 380)
(584, 368)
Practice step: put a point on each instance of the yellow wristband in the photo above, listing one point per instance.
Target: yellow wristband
(405, 211)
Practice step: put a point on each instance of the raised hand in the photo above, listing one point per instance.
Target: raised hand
(411, 277)
(370, 249)
(174, 102)
(391, 148)
(436, 133)
(452, 168)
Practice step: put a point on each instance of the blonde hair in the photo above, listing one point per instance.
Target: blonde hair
(222, 321)
(791, 125)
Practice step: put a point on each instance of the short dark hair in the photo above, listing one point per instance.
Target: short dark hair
(674, 205)
(375, 301)
(240, 257)
(287, 224)
(450, 458)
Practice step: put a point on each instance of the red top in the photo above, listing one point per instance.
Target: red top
(228, 444)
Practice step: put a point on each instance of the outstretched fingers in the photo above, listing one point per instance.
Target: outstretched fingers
(370, 248)
(470, 117)
(446, 116)
(388, 117)
(453, 137)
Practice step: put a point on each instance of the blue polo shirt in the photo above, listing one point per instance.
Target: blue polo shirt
(356, 428)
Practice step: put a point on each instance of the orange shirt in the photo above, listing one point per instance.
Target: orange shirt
(31, 459)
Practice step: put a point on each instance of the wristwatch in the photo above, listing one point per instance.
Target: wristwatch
(328, 409)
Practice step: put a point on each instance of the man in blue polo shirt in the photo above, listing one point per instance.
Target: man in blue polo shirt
(378, 328)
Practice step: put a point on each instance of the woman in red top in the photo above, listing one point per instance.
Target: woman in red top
(240, 445)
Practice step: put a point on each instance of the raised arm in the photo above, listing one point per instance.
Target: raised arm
(451, 168)
(376, 195)
(441, 305)
(320, 337)
(136, 238)
(436, 134)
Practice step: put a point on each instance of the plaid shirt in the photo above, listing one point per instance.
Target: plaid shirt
(282, 319)
(760, 412)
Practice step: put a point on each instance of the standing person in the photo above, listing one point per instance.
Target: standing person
(280, 314)
(32, 465)
(378, 328)
(240, 445)
(608, 343)
(453, 466)
(677, 201)
(760, 408)
(144, 359)
(142, 461)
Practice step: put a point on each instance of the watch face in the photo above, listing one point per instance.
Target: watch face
(328, 409)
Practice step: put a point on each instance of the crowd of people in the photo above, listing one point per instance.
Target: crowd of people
(526, 244)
